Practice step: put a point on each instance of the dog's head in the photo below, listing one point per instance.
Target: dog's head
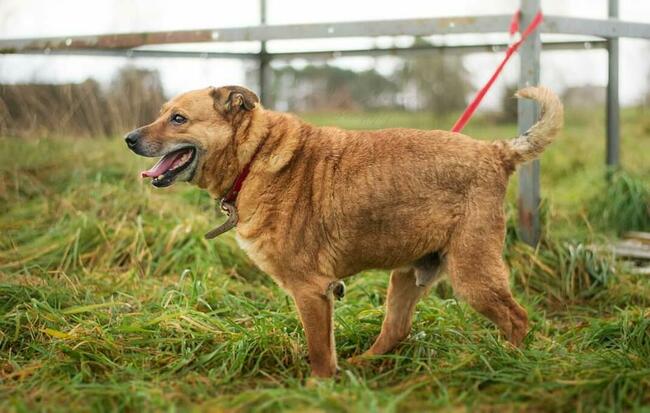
(192, 128)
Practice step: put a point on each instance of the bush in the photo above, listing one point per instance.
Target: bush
(623, 206)
(81, 109)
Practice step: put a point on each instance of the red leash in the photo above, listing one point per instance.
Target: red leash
(514, 27)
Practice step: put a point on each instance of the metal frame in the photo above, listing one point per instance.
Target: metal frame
(529, 195)
(611, 29)
(319, 54)
(613, 115)
(372, 28)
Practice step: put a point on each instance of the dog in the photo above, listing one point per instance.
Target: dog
(313, 205)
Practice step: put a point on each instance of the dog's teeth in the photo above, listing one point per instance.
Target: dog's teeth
(180, 161)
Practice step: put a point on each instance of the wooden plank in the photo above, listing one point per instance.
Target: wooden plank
(641, 270)
(632, 249)
(643, 237)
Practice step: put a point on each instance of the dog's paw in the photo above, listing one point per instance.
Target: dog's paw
(360, 360)
(314, 382)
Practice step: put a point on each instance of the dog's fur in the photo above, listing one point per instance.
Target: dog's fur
(323, 203)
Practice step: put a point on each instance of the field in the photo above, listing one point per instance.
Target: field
(110, 298)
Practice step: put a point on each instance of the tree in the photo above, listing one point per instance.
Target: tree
(134, 98)
(330, 87)
(436, 81)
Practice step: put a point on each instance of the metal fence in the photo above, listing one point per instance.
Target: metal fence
(608, 30)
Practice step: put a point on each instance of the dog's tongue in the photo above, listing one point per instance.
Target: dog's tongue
(161, 166)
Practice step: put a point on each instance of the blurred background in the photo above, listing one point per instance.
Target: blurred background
(42, 94)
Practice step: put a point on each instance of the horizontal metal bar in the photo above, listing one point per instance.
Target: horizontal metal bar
(408, 27)
(326, 54)
(607, 28)
(460, 49)
(140, 53)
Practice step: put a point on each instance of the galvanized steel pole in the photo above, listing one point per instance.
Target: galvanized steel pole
(529, 199)
(613, 114)
(264, 60)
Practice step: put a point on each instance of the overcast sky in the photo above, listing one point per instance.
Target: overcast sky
(33, 18)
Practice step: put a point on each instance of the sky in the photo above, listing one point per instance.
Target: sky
(559, 69)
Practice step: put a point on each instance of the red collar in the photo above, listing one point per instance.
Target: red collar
(231, 196)
(227, 203)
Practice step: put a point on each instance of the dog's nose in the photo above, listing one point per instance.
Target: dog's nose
(131, 139)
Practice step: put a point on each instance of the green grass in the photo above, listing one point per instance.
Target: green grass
(110, 299)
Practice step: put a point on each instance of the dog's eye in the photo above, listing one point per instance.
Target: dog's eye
(178, 119)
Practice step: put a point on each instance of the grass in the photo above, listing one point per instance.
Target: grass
(110, 299)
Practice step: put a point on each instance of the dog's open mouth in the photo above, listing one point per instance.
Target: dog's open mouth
(170, 166)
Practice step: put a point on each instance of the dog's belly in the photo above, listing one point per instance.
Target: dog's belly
(390, 251)
(389, 237)
(285, 254)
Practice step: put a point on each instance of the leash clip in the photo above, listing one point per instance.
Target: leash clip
(230, 210)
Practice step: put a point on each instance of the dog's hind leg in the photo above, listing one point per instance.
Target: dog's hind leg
(479, 276)
(403, 295)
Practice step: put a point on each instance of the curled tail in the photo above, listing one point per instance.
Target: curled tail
(532, 143)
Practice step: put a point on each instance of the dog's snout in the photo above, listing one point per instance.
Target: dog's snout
(132, 138)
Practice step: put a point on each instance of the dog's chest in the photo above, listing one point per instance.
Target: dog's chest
(255, 251)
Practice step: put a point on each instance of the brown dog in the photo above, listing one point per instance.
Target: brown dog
(321, 204)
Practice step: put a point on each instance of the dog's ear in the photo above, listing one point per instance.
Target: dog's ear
(238, 97)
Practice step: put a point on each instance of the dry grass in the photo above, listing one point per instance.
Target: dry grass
(81, 109)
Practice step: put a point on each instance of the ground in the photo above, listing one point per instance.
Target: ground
(110, 299)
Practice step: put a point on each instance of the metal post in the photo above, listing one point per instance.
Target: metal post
(529, 198)
(613, 129)
(264, 60)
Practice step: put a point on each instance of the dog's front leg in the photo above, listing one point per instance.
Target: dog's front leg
(314, 299)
